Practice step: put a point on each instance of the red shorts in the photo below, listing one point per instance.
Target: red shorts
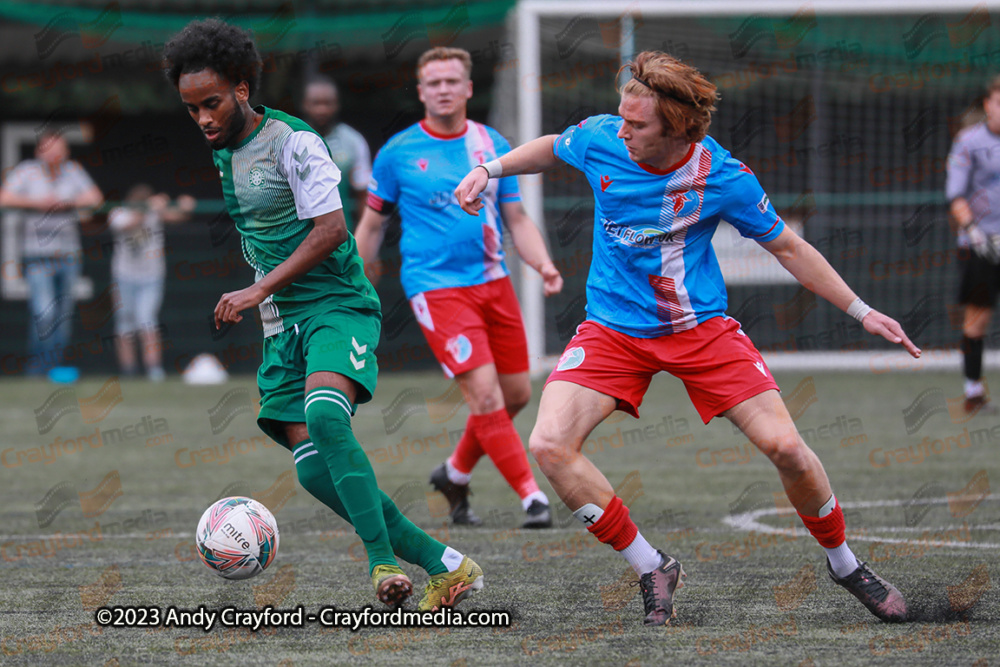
(469, 327)
(718, 364)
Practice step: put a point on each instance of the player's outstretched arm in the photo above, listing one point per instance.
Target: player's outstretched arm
(328, 233)
(531, 246)
(368, 236)
(530, 158)
(812, 270)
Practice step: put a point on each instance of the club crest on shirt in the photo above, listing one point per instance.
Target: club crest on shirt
(571, 358)
(460, 348)
(685, 203)
(256, 177)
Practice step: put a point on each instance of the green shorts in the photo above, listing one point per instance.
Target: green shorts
(340, 342)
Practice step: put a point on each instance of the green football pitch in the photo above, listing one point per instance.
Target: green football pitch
(103, 485)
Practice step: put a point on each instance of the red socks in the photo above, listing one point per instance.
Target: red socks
(468, 451)
(615, 527)
(828, 530)
(495, 433)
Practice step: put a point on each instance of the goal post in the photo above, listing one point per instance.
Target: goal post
(844, 109)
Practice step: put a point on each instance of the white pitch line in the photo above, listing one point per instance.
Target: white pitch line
(747, 521)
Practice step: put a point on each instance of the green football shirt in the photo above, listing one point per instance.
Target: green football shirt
(274, 183)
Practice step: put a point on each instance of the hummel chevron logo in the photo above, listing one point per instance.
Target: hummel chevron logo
(358, 365)
(605, 183)
(299, 157)
(360, 349)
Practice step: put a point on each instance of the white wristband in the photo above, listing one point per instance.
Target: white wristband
(858, 309)
(493, 168)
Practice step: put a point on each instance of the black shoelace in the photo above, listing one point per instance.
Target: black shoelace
(648, 589)
(869, 583)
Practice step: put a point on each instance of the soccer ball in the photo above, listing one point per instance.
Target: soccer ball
(237, 537)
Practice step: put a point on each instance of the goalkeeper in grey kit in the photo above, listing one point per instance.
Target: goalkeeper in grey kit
(973, 188)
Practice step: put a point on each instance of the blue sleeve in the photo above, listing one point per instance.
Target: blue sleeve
(959, 168)
(508, 188)
(747, 207)
(571, 146)
(383, 188)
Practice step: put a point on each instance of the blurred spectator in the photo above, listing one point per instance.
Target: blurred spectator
(139, 269)
(349, 150)
(55, 192)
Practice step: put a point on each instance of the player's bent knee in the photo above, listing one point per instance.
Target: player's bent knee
(547, 450)
(329, 424)
(787, 453)
(486, 404)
